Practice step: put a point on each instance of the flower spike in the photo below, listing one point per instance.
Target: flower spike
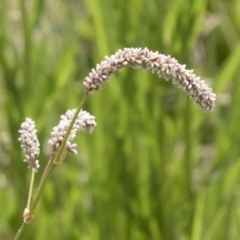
(85, 122)
(30, 144)
(165, 67)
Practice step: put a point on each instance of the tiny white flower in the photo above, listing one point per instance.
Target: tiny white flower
(85, 122)
(30, 144)
(164, 66)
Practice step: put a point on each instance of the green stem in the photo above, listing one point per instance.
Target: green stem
(39, 190)
(54, 163)
(49, 168)
(50, 161)
(30, 189)
(20, 231)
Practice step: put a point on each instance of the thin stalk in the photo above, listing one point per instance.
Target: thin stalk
(49, 168)
(30, 189)
(20, 231)
(35, 201)
(39, 190)
(50, 161)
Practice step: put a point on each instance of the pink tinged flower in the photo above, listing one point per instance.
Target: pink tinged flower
(85, 122)
(164, 66)
(30, 144)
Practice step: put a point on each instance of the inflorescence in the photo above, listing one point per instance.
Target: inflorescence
(165, 67)
(30, 144)
(85, 122)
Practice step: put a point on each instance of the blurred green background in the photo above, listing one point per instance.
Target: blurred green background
(156, 166)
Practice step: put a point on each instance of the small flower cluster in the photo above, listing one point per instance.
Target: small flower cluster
(164, 66)
(30, 143)
(85, 122)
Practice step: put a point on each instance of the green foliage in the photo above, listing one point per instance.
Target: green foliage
(156, 167)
